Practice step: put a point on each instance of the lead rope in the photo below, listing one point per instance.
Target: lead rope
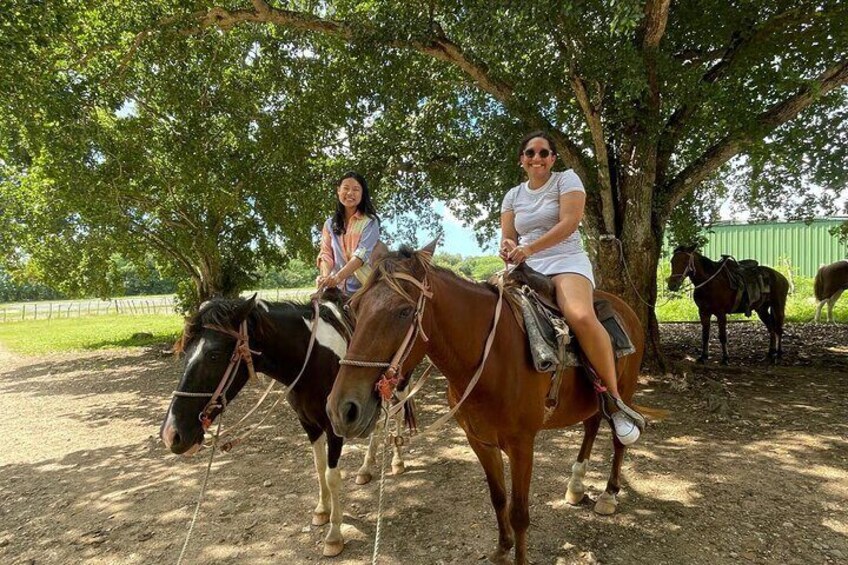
(386, 436)
(202, 491)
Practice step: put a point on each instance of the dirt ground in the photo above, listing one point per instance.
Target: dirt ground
(751, 466)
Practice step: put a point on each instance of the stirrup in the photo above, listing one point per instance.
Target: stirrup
(637, 418)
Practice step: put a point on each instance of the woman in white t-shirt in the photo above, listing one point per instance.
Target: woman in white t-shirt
(539, 221)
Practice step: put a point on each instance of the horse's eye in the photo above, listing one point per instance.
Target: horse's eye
(214, 355)
(406, 312)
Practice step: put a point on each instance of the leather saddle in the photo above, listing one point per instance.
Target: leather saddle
(747, 279)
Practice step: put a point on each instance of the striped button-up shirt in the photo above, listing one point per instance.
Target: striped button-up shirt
(359, 239)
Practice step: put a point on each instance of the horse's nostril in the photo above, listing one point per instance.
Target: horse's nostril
(350, 412)
(175, 439)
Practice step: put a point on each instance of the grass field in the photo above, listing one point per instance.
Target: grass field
(35, 337)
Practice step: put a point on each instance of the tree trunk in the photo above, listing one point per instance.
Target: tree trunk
(627, 267)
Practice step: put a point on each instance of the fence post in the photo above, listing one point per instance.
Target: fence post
(23, 312)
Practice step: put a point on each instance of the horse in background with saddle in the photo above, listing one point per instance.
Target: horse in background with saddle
(831, 280)
(727, 287)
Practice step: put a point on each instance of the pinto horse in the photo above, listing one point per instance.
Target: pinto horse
(506, 408)
(831, 280)
(715, 296)
(279, 337)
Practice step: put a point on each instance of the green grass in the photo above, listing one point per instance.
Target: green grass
(86, 333)
(800, 306)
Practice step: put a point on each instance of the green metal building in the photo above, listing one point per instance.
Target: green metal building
(805, 245)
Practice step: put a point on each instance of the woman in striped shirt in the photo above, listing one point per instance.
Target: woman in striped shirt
(348, 237)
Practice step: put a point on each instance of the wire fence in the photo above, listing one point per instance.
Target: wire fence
(135, 305)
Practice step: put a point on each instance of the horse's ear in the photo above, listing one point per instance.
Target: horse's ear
(380, 250)
(430, 249)
(243, 311)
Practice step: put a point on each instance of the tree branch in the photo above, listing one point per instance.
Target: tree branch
(741, 41)
(765, 123)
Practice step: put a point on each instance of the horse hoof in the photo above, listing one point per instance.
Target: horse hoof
(725, 361)
(606, 504)
(320, 518)
(398, 469)
(701, 360)
(574, 497)
(363, 478)
(333, 548)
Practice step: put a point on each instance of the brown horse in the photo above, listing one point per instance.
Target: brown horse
(715, 296)
(505, 410)
(831, 281)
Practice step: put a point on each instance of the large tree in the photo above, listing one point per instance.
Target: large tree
(650, 102)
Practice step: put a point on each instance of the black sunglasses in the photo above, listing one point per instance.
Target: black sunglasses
(543, 153)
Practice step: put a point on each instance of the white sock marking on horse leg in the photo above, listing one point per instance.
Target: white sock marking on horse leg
(606, 504)
(319, 455)
(334, 542)
(819, 309)
(576, 489)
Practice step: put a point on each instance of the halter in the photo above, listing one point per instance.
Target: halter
(690, 268)
(389, 379)
(241, 352)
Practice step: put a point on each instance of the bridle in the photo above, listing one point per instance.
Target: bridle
(389, 379)
(690, 270)
(242, 352)
(218, 398)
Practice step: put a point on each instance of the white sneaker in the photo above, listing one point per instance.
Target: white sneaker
(624, 428)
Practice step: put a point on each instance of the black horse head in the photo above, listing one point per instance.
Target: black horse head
(208, 342)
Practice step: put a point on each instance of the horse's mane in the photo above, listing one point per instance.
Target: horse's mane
(685, 248)
(409, 261)
(221, 312)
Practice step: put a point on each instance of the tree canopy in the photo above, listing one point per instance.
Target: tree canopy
(188, 121)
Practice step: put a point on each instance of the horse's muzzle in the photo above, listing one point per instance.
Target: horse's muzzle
(350, 419)
(180, 443)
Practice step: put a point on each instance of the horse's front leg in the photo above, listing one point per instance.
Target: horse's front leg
(398, 466)
(321, 514)
(333, 541)
(492, 461)
(722, 337)
(705, 335)
(366, 473)
(521, 468)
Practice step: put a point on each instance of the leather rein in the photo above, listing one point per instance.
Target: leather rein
(390, 378)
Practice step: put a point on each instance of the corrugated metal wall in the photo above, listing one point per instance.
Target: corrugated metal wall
(805, 246)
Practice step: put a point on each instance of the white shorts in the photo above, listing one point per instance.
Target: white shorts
(577, 263)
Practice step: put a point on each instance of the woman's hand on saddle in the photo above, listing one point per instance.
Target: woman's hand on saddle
(507, 246)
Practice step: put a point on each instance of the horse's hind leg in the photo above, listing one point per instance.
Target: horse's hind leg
(819, 307)
(576, 489)
(722, 337)
(771, 323)
(607, 502)
(492, 461)
(831, 302)
(333, 541)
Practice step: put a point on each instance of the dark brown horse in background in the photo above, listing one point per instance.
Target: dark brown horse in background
(506, 409)
(715, 296)
(831, 281)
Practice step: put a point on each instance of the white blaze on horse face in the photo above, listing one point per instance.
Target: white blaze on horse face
(329, 337)
(197, 354)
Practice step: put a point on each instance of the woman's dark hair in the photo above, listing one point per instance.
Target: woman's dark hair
(534, 134)
(365, 205)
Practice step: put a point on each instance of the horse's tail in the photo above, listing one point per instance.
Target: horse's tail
(656, 414)
(818, 285)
